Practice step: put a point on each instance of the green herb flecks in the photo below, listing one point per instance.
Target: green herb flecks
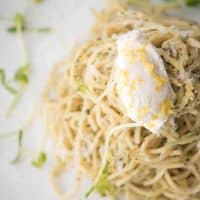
(15, 100)
(41, 159)
(21, 77)
(19, 151)
(82, 87)
(13, 29)
(189, 3)
(192, 2)
(19, 24)
(4, 83)
(20, 20)
(44, 30)
(22, 74)
(38, 1)
(103, 186)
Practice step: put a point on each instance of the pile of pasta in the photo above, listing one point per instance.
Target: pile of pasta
(81, 107)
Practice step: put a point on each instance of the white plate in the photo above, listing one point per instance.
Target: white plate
(70, 20)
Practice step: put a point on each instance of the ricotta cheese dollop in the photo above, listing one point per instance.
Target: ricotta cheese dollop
(143, 84)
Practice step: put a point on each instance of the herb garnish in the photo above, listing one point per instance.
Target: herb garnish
(103, 186)
(41, 159)
(19, 152)
(13, 29)
(21, 75)
(4, 83)
(38, 1)
(192, 2)
(20, 25)
(82, 87)
(44, 29)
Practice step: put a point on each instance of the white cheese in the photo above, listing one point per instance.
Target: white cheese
(142, 82)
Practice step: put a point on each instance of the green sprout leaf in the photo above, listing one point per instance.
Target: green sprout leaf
(19, 21)
(44, 30)
(15, 100)
(2, 76)
(19, 152)
(38, 1)
(41, 159)
(103, 186)
(21, 75)
(82, 87)
(19, 24)
(13, 29)
(192, 2)
(4, 83)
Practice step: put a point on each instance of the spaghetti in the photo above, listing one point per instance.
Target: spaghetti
(88, 125)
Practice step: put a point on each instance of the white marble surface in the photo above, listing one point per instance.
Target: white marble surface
(70, 20)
